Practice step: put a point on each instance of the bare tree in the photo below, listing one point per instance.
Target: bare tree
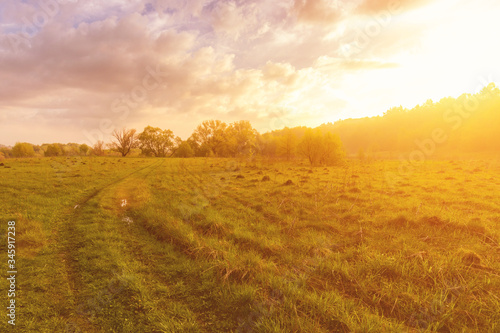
(98, 148)
(125, 140)
(321, 148)
(311, 146)
(287, 144)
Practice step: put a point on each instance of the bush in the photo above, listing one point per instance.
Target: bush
(53, 150)
(84, 149)
(184, 150)
(322, 148)
(23, 150)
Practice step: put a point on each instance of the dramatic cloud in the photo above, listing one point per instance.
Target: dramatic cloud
(74, 70)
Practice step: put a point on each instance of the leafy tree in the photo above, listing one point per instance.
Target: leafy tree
(23, 149)
(184, 149)
(54, 150)
(491, 90)
(241, 138)
(155, 141)
(7, 152)
(210, 138)
(84, 149)
(71, 149)
(125, 140)
(267, 144)
(38, 150)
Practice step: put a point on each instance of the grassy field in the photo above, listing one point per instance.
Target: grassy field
(216, 245)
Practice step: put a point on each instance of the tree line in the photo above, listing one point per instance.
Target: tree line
(470, 123)
(212, 138)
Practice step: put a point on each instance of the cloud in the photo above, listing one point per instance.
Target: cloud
(275, 63)
(228, 18)
(317, 11)
(101, 57)
(80, 75)
(280, 72)
(393, 6)
(329, 63)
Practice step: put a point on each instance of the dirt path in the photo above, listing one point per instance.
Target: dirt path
(71, 240)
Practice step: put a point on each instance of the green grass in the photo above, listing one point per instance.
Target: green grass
(205, 245)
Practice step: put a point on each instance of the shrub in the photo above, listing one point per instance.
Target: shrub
(23, 149)
(54, 150)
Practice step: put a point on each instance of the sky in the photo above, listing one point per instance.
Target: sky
(74, 70)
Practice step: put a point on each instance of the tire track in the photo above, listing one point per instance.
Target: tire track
(140, 251)
(72, 240)
(145, 250)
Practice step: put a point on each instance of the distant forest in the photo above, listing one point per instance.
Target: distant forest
(467, 124)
